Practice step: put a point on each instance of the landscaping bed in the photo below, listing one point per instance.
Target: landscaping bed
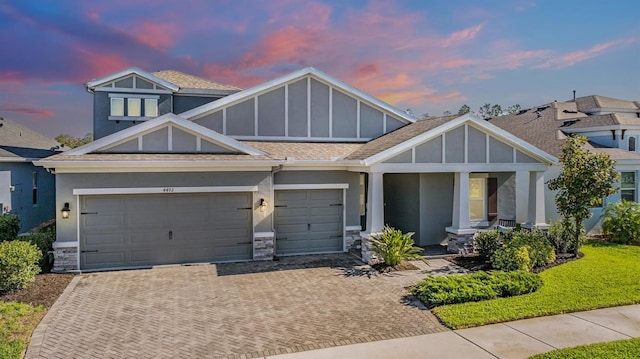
(44, 291)
(475, 262)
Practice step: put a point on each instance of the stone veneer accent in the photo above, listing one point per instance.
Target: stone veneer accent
(368, 255)
(65, 259)
(263, 246)
(460, 243)
(353, 241)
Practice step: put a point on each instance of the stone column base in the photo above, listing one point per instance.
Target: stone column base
(368, 255)
(65, 259)
(353, 241)
(263, 246)
(460, 243)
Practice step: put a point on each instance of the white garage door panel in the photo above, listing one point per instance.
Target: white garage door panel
(141, 230)
(308, 221)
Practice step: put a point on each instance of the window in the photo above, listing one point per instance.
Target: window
(628, 186)
(632, 144)
(34, 193)
(117, 106)
(477, 198)
(134, 107)
(150, 107)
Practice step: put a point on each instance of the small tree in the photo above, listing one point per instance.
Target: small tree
(73, 142)
(464, 109)
(585, 178)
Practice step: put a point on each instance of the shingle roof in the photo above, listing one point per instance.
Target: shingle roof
(305, 150)
(19, 141)
(602, 120)
(398, 136)
(594, 102)
(155, 157)
(186, 81)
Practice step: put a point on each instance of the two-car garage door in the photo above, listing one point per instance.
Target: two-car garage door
(141, 230)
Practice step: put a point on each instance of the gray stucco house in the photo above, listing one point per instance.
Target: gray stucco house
(301, 164)
(25, 189)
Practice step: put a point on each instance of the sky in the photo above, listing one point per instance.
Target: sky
(427, 56)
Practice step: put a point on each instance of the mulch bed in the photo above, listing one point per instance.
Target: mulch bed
(475, 262)
(44, 291)
(404, 265)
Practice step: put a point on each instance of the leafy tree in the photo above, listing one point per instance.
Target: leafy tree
(585, 178)
(425, 116)
(464, 109)
(513, 109)
(73, 142)
(446, 113)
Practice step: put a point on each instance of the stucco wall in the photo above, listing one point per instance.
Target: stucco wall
(436, 207)
(401, 202)
(22, 196)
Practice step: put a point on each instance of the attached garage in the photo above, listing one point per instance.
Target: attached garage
(309, 221)
(142, 230)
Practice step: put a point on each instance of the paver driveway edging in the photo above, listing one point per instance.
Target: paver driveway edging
(228, 310)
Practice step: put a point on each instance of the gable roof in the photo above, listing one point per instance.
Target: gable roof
(91, 85)
(20, 142)
(611, 119)
(406, 137)
(186, 81)
(157, 123)
(294, 76)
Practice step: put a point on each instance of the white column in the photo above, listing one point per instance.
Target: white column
(460, 216)
(522, 193)
(375, 203)
(536, 215)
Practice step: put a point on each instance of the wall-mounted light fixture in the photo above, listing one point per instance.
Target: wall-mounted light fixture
(65, 210)
(263, 204)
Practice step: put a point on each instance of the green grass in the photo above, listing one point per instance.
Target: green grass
(605, 277)
(621, 349)
(17, 321)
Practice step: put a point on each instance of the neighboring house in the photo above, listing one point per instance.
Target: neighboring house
(300, 164)
(611, 125)
(25, 189)
(132, 96)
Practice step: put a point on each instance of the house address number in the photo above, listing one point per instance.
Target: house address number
(167, 189)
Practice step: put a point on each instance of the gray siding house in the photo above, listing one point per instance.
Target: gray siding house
(298, 165)
(25, 189)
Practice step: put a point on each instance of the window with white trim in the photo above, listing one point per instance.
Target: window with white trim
(628, 186)
(478, 198)
(133, 105)
(632, 144)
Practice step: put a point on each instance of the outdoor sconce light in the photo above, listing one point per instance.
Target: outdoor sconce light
(263, 204)
(65, 210)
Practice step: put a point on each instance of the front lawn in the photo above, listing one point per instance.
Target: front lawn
(17, 321)
(605, 277)
(621, 349)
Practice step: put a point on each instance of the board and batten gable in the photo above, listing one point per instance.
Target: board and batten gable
(464, 144)
(303, 109)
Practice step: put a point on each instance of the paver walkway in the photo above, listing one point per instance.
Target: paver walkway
(229, 310)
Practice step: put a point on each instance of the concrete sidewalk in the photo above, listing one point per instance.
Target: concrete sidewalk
(518, 339)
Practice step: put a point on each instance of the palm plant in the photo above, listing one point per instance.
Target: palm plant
(394, 246)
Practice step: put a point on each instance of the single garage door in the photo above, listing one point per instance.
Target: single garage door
(142, 230)
(308, 221)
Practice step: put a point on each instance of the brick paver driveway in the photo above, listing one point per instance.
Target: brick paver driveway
(231, 310)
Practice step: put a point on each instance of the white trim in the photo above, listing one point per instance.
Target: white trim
(263, 234)
(461, 230)
(344, 219)
(444, 147)
(198, 143)
(286, 110)
(159, 122)
(157, 166)
(456, 167)
(170, 138)
(132, 71)
(384, 122)
(132, 91)
(255, 116)
(281, 187)
(413, 155)
(353, 228)
(119, 95)
(78, 228)
(308, 106)
(466, 143)
(140, 144)
(162, 190)
(358, 118)
(224, 121)
(331, 112)
(306, 139)
(487, 141)
(293, 77)
(65, 244)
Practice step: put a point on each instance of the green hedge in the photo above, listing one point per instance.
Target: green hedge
(434, 291)
(9, 227)
(18, 265)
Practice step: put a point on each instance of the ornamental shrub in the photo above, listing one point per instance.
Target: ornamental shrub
(475, 287)
(540, 250)
(487, 243)
(18, 265)
(44, 241)
(621, 222)
(561, 236)
(9, 227)
(511, 258)
(394, 246)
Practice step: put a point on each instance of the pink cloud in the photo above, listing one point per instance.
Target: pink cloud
(28, 111)
(572, 58)
(160, 36)
(98, 64)
(462, 36)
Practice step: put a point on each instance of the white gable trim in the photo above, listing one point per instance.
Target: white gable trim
(91, 85)
(211, 107)
(485, 126)
(157, 123)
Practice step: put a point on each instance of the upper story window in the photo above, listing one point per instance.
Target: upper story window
(632, 144)
(132, 105)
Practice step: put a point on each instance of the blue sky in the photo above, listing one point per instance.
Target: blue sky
(430, 56)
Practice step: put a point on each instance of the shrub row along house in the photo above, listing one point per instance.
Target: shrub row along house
(186, 170)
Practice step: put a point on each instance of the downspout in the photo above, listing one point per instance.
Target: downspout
(274, 170)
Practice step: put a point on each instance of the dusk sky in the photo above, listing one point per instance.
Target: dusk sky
(429, 56)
